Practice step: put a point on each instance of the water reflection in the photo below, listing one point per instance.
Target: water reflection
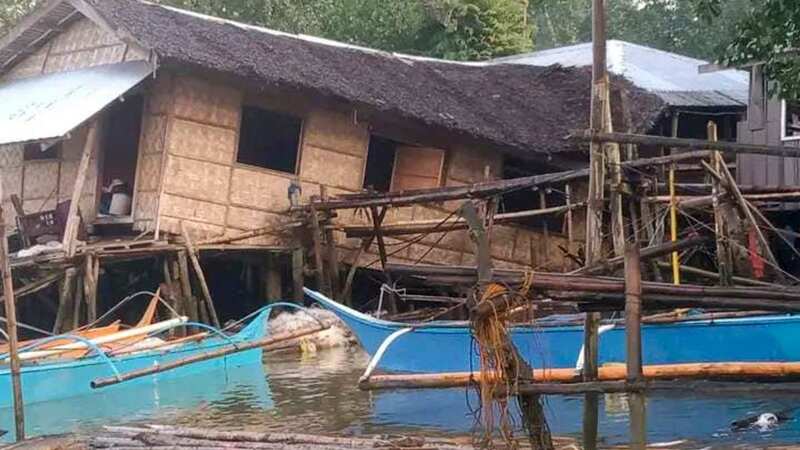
(319, 394)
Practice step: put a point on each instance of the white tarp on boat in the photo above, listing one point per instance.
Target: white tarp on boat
(50, 106)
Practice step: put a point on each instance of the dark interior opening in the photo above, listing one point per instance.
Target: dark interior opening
(120, 148)
(42, 151)
(530, 199)
(380, 164)
(269, 139)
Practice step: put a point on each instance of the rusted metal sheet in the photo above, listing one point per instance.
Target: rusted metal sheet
(50, 106)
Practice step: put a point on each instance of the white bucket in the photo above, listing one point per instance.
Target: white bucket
(120, 204)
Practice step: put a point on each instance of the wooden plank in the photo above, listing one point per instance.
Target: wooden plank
(298, 274)
(332, 252)
(73, 217)
(377, 219)
(417, 168)
(319, 263)
(200, 277)
(90, 286)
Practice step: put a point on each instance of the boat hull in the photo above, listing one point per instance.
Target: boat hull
(438, 347)
(72, 378)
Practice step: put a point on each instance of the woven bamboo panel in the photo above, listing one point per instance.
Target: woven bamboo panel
(204, 142)
(80, 35)
(205, 102)
(159, 98)
(69, 171)
(30, 66)
(468, 166)
(197, 230)
(152, 140)
(88, 207)
(72, 149)
(336, 131)
(41, 180)
(85, 58)
(197, 179)
(37, 205)
(502, 242)
(248, 219)
(12, 182)
(434, 255)
(144, 225)
(260, 190)
(331, 168)
(10, 215)
(149, 174)
(146, 206)
(194, 210)
(10, 156)
(522, 246)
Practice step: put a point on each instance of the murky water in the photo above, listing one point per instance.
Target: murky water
(318, 393)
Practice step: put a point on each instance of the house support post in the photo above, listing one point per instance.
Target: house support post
(209, 303)
(721, 225)
(633, 339)
(377, 220)
(273, 287)
(181, 267)
(319, 262)
(10, 304)
(73, 217)
(91, 273)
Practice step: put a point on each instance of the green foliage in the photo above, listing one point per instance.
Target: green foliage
(12, 10)
(769, 34)
(671, 25)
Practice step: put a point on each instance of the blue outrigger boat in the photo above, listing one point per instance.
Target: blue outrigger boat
(60, 379)
(441, 346)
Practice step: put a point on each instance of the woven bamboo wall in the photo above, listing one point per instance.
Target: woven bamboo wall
(82, 44)
(213, 195)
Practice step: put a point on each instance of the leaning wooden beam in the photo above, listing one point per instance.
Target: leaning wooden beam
(35, 286)
(642, 139)
(653, 251)
(435, 226)
(713, 276)
(192, 253)
(73, 217)
(486, 189)
(722, 370)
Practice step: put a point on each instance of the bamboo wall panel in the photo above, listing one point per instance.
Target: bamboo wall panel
(194, 210)
(248, 218)
(30, 66)
(149, 174)
(204, 142)
(197, 179)
(40, 180)
(332, 168)
(85, 58)
(197, 230)
(256, 189)
(468, 165)
(81, 35)
(336, 131)
(146, 207)
(205, 102)
(10, 156)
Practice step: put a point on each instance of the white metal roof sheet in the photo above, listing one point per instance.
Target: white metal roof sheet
(50, 106)
(675, 78)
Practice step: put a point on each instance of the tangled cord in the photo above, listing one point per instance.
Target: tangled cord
(500, 370)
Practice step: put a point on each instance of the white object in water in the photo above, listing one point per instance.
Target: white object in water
(120, 204)
(766, 421)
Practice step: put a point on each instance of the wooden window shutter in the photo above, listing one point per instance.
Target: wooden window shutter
(417, 168)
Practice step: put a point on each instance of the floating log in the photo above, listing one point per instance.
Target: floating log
(726, 370)
(265, 343)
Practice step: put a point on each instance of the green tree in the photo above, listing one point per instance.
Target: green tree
(769, 34)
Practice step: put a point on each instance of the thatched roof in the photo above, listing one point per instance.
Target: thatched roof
(522, 109)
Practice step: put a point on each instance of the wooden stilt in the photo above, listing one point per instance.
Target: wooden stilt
(332, 252)
(544, 247)
(377, 220)
(11, 329)
(272, 278)
(347, 291)
(65, 301)
(568, 215)
(198, 270)
(721, 225)
(591, 418)
(73, 217)
(638, 420)
(319, 263)
(633, 312)
(298, 274)
(90, 287)
(186, 287)
(77, 303)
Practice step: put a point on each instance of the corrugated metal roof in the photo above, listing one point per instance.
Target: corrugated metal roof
(50, 106)
(675, 78)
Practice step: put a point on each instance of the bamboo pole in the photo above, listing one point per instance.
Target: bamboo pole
(319, 263)
(73, 217)
(673, 210)
(11, 329)
(265, 343)
(90, 287)
(192, 253)
(724, 256)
